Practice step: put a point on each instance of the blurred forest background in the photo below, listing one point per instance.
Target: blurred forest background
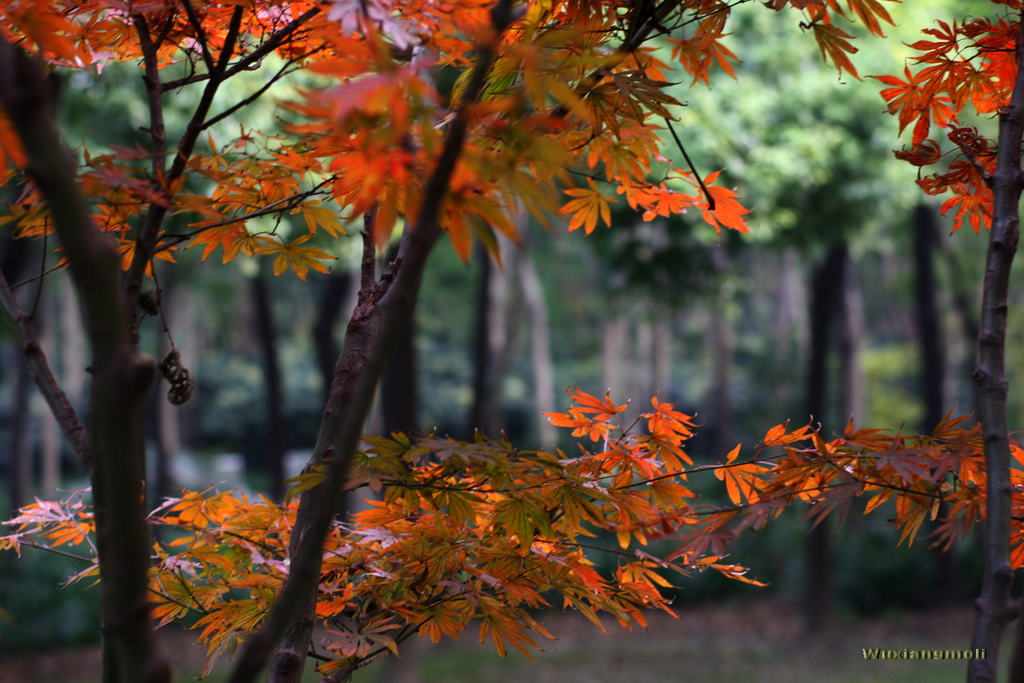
(849, 299)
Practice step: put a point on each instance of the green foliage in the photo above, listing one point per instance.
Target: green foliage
(37, 609)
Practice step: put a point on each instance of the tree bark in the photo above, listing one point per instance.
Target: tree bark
(991, 384)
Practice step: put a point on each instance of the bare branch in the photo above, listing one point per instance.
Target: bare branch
(72, 426)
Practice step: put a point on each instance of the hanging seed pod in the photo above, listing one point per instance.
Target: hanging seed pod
(178, 376)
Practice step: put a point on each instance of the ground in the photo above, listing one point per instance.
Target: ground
(761, 640)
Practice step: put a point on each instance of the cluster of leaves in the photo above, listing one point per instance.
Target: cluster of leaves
(572, 93)
(459, 532)
(481, 532)
(965, 63)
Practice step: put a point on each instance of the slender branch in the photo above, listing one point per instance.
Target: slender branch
(55, 551)
(157, 131)
(72, 426)
(283, 204)
(145, 242)
(246, 101)
(29, 280)
(276, 40)
(182, 82)
(693, 169)
(197, 26)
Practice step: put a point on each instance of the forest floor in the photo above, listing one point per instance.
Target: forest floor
(760, 641)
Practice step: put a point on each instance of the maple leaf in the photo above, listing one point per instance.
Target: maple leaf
(741, 480)
(728, 211)
(317, 215)
(300, 259)
(870, 12)
(586, 209)
(835, 45)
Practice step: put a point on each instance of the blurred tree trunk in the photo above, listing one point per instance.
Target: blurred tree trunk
(540, 346)
(399, 390)
(720, 402)
(161, 414)
(827, 284)
(614, 329)
(20, 457)
(399, 403)
(266, 335)
(72, 344)
(721, 348)
(49, 430)
(852, 398)
(162, 421)
(335, 292)
(14, 264)
(789, 320)
(490, 347)
(933, 365)
(929, 330)
(964, 294)
(662, 352)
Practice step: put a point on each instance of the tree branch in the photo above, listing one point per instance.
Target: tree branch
(145, 242)
(990, 380)
(73, 428)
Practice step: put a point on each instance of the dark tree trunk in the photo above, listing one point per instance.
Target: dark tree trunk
(266, 336)
(115, 453)
(334, 293)
(399, 390)
(852, 400)
(991, 384)
(929, 330)
(13, 265)
(49, 430)
(20, 483)
(160, 484)
(826, 299)
(720, 344)
(964, 293)
(933, 365)
(484, 413)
